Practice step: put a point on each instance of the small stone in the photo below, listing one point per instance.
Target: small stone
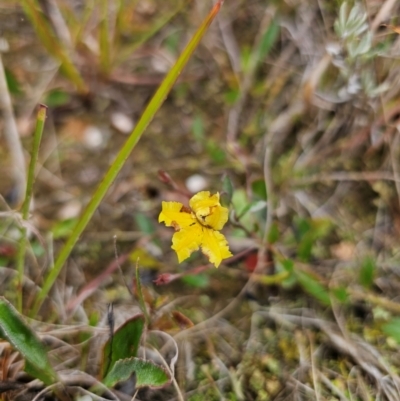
(93, 137)
(121, 122)
(196, 183)
(70, 210)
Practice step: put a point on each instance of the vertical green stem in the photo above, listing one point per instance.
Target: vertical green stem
(37, 137)
(148, 114)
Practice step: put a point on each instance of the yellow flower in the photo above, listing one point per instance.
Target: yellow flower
(197, 226)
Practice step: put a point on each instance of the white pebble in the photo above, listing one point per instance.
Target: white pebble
(93, 137)
(196, 183)
(122, 122)
(70, 210)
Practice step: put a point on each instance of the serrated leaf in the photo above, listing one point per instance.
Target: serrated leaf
(14, 329)
(124, 343)
(148, 374)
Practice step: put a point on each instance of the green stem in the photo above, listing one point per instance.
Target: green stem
(37, 137)
(148, 114)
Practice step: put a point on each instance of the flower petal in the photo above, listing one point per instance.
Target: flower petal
(215, 246)
(202, 200)
(208, 210)
(217, 218)
(188, 240)
(172, 215)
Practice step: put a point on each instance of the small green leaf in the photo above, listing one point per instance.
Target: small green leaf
(341, 294)
(14, 329)
(259, 189)
(64, 228)
(313, 287)
(367, 272)
(172, 42)
(144, 224)
(273, 234)
(231, 96)
(57, 97)
(13, 85)
(245, 58)
(37, 248)
(267, 41)
(123, 344)
(215, 152)
(227, 190)
(196, 280)
(288, 265)
(307, 231)
(302, 226)
(147, 373)
(392, 329)
(198, 129)
(240, 201)
(305, 247)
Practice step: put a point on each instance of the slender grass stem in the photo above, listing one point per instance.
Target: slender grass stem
(148, 114)
(37, 138)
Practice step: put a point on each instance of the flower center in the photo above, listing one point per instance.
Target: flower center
(201, 216)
